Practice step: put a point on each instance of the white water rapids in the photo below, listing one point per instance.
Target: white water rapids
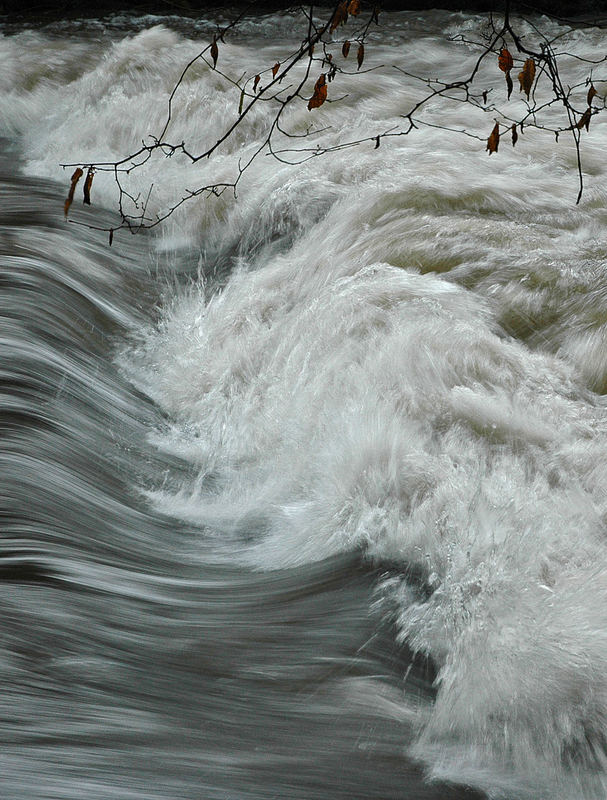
(395, 353)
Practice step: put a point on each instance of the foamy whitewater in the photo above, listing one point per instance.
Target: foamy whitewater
(307, 489)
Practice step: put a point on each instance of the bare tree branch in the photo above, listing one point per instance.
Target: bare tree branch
(540, 77)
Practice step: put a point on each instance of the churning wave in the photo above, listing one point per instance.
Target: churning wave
(313, 480)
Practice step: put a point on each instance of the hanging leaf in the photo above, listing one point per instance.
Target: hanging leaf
(592, 92)
(509, 84)
(214, 52)
(320, 93)
(354, 8)
(505, 61)
(311, 50)
(111, 236)
(514, 135)
(87, 186)
(255, 82)
(584, 121)
(485, 97)
(339, 17)
(345, 49)
(526, 76)
(275, 69)
(75, 178)
(494, 140)
(241, 102)
(376, 143)
(360, 56)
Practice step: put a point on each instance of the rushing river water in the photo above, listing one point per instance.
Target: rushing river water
(304, 493)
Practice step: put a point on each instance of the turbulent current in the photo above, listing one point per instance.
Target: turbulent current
(303, 491)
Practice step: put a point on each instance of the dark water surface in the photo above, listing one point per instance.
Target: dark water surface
(126, 670)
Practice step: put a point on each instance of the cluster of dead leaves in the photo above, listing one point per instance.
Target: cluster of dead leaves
(88, 182)
(339, 18)
(342, 12)
(526, 78)
(360, 53)
(584, 120)
(256, 80)
(493, 141)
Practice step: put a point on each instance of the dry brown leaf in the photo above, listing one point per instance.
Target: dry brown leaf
(505, 61)
(592, 92)
(354, 8)
(87, 186)
(360, 56)
(75, 178)
(514, 135)
(111, 236)
(339, 17)
(345, 49)
(526, 76)
(320, 93)
(509, 84)
(275, 69)
(214, 52)
(584, 121)
(494, 140)
(255, 82)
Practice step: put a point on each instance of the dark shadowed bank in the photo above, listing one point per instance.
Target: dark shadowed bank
(42, 10)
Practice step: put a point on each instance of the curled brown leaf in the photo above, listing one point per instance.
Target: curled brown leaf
(494, 139)
(584, 120)
(505, 61)
(526, 76)
(592, 92)
(320, 93)
(340, 17)
(360, 55)
(78, 173)
(87, 186)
